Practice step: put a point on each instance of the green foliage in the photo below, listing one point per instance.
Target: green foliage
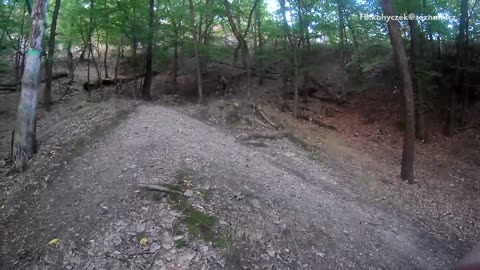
(366, 59)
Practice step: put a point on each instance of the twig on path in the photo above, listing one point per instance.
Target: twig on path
(160, 188)
(445, 215)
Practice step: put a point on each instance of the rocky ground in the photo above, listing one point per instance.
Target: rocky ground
(236, 195)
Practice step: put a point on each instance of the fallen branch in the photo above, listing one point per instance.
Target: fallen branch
(265, 118)
(268, 74)
(160, 188)
(316, 121)
(469, 127)
(255, 136)
(13, 86)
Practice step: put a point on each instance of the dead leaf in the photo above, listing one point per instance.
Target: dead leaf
(53, 241)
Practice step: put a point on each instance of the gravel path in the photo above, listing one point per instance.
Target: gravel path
(281, 209)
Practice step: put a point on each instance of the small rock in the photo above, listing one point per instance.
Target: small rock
(188, 193)
(154, 247)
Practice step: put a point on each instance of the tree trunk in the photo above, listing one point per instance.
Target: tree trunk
(415, 55)
(118, 86)
(20, 55)
(90, 53)
(467, 61)
(70, 64)
(241, 37)
(195, 48)
(24, 145)
(408, 155)
(352, 30)
(105, 62)
(147, 82)
(260, 56)
(459, 74)
(301, 25)
(175, 64)
(293, 51)
(341, 29)
(47, 94)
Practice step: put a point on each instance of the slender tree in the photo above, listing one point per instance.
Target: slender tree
(408, 154)
(418, 86)
(147, 83)
(195, 48)
(24, 144)
(293, 53)
(241, 37)
(47, 94)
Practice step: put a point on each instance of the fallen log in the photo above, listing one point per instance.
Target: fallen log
(13, 86)
(112, 81)
(8, 88)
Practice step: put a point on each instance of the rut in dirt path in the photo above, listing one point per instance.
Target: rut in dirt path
(284, 211)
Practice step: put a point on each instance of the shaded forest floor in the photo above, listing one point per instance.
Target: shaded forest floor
(244, 195)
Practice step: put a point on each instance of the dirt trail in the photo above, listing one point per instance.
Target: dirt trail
(282, 210)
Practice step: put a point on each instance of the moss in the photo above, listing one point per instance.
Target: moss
(224, 241)
(180, 243)
(198, 223)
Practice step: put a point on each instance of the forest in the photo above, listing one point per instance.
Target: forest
(239, 134)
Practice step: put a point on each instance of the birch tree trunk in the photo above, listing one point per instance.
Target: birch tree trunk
(25, 136)
(47, 94)
(408, 154)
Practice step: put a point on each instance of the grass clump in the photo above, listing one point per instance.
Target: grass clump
(180, 243)
(312, 152)
(198, 223)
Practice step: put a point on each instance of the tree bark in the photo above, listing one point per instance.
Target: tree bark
(147, 82)
(70, 64)
(90, 53)
(459, 74)
(105, 62)
(260, 56)
(47, 94)
(293, 52)
(195, 48)
(467, 61)
(408, 155)
(341, 29)
(24, 145)
(19, 56)
(415, 55)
